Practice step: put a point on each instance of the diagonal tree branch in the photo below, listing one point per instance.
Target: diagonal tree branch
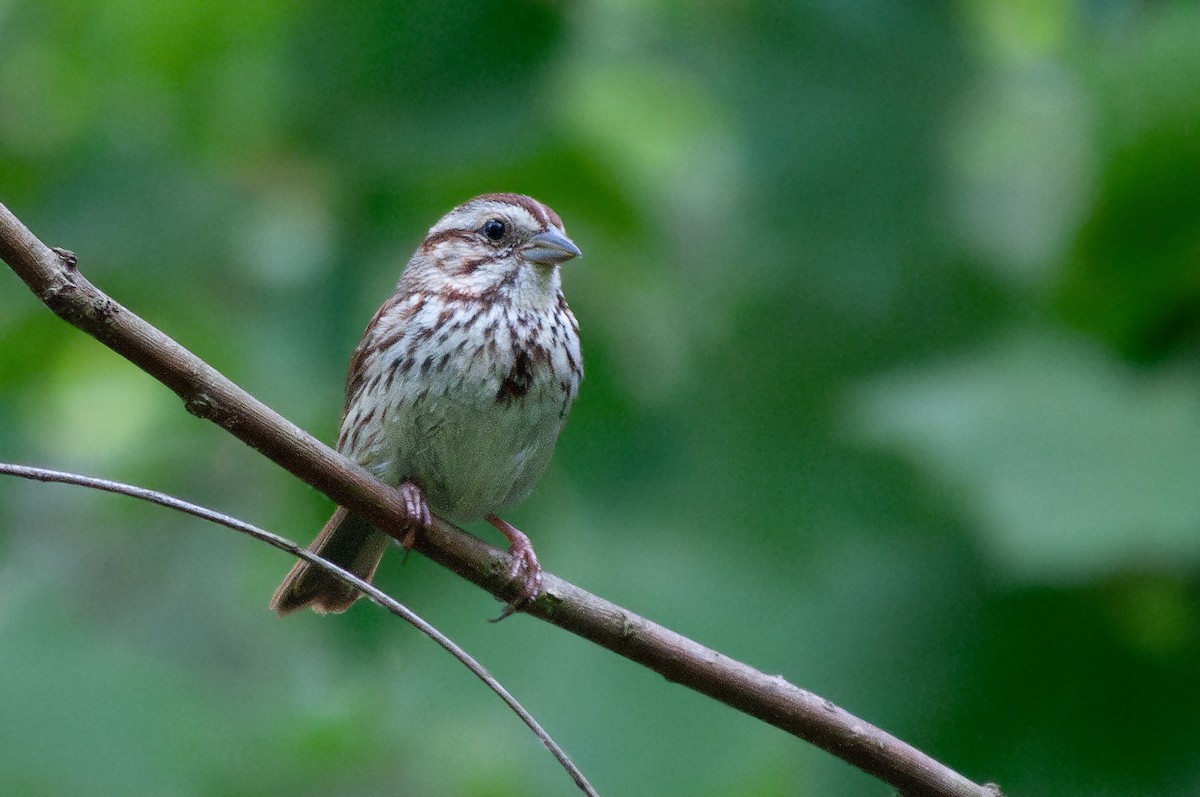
(52, 276)
(372, 592)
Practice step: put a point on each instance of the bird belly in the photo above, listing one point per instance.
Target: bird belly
(472, 460)
(470, 451)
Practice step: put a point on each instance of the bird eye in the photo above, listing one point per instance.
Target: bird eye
(494, 229)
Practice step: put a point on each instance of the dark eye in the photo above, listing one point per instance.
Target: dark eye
(494, 229)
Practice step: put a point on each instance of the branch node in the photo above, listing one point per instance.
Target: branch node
(66, 256)
(202, 406)
(628, 628)
(552, 600)
(104, 310)
(60, 298)
(64, 298)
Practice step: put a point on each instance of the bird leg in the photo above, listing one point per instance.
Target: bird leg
(521, 552)
(417, 511)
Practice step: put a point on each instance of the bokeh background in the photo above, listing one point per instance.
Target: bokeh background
(890, 315)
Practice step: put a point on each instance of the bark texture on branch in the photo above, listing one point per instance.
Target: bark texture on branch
(52, 276)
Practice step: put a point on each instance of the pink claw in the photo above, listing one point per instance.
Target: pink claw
(520, 549)
(417, 511)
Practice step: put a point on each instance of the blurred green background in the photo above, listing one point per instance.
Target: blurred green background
(890, 314)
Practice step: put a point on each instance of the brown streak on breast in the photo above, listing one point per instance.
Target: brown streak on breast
(355, 372)
(518, 381)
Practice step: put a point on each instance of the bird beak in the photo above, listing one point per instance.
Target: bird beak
(549, 248)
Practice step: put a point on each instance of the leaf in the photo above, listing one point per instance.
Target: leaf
(1071, 465)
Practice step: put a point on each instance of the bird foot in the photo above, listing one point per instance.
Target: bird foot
(417, 511)
(520, 551)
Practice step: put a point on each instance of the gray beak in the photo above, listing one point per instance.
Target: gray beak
(550, 248)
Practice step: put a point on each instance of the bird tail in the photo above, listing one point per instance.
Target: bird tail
(347, 541)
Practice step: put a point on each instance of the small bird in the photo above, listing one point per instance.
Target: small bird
(458, 390)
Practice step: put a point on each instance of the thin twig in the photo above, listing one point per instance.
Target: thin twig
(283, 544)
(207, 394)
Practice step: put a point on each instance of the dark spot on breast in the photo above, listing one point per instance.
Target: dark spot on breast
(519, 379)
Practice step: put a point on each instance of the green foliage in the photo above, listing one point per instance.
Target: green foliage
(890, 319)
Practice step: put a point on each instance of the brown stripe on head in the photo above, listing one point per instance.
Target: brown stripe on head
(543, 214)
(436, 238)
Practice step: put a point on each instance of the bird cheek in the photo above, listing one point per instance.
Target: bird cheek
(469, 265)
